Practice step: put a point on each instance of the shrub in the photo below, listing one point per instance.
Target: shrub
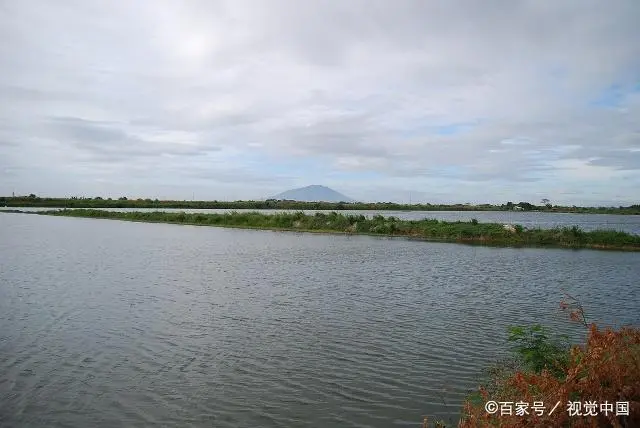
(537, 350)
(380, 228)
(605, 369)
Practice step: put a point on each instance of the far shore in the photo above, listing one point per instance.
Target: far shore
(33, 201)
(469, 232)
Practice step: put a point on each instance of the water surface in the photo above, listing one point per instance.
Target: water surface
(107, 323)
(544, 220)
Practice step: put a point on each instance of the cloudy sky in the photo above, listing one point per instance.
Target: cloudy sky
(454, 101)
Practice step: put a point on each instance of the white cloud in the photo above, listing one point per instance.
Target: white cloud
(457, 96)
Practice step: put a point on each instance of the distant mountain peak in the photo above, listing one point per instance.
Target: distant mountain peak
(313, 193)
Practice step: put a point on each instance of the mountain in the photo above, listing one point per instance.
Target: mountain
(313, 193)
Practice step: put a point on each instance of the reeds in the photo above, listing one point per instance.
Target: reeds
(471, 232)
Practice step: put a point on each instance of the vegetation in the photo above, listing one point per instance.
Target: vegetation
(537, 349)
(123, 202)
(545, 370)
(427, 229)
(605, 369)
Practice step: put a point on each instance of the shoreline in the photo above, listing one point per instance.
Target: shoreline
(20, 208)
(426, 230)
(34, 201)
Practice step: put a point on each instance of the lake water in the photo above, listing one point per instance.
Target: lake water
(107, 323)
(625, 223)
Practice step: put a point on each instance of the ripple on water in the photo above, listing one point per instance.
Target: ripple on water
(159, 324)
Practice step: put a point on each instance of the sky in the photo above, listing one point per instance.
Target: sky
(433, 101)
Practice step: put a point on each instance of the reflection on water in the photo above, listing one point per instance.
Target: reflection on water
(106, 323)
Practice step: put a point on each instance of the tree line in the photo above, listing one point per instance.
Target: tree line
(33, 200)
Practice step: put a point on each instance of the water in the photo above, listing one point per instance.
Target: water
(107, 323)
(625, 223)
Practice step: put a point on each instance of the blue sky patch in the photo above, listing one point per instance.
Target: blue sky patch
(613, 96)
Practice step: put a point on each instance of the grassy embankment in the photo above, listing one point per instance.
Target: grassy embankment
(428, 229)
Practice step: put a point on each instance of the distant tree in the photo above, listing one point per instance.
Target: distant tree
(32, 196)
(98, 198)
(526, 206)
(122, 198)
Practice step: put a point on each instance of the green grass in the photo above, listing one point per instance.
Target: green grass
(427, 229)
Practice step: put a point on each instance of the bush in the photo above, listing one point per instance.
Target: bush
(607, 369)
(537, 350)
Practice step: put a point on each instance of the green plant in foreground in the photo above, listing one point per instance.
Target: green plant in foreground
(605, 369)
(538, 350)
(535, 351)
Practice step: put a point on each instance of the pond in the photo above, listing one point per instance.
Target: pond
(109, 323)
